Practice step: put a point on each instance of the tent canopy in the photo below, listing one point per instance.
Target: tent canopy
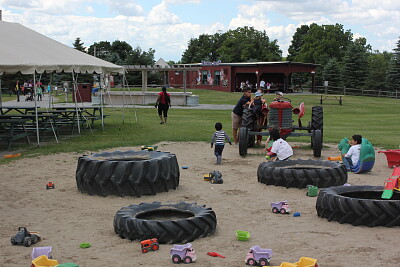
(26, 51)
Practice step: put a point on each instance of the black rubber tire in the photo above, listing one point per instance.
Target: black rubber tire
(249, 119)
(300, 173)
(27, 241)
(13, 242)
(130, 173)
(129, 222)
(317, 118)
(359, 205)
(317, 121)
(243, 139)
(317, 143)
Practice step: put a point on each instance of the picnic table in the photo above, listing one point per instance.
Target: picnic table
(19, 109)
(331, 97)
(87, 113)
(8, 131)
(46, 123)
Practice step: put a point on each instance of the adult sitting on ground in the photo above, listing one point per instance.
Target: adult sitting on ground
(237, 113)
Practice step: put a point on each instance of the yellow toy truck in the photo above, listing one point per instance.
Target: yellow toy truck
(303, 262)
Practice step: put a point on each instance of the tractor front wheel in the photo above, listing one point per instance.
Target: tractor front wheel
(243, 139)
(317, 143)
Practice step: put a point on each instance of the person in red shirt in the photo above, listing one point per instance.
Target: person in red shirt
(163, 103)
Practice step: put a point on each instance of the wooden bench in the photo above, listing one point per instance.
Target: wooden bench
(331, 97)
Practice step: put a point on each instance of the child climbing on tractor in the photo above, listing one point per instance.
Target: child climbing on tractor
(259, 107)
(353, 155)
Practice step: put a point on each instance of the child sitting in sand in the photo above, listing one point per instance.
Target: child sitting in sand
(280, 148)
(353, 155)
(218, 139)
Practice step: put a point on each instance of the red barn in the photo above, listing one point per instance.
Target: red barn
(228, 76)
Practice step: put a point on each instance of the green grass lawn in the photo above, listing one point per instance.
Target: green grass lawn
(377, 119)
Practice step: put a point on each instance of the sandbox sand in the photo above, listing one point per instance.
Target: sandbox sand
(65, 217)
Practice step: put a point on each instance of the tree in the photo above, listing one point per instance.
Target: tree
(393, 74)
(203, 48)
(297, 41)
(331, 72)
(322, 43)
(355, 63)
(245, 44)
(101, 49)
(122, 49)
(78, 45)
(378, 64)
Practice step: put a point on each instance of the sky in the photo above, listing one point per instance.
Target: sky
(167, 26)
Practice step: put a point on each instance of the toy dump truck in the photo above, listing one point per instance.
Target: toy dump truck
(303, 262)
(24, 237)
(149, 244)
(281, 207)
(258, 256)
(183, 253)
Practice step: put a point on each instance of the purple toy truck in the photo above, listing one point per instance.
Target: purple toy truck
(258, 256)
(183, 253)
(280, 207)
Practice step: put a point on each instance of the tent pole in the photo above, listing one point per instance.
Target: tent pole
(36, 114)
(123, 98)
(76, 105)
(1, 99)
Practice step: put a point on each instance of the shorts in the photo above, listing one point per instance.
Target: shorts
(236, 121)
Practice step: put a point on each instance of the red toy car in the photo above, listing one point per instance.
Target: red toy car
(50, 185)
(149, 244)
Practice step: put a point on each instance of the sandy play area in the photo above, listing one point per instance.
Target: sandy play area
(65, 217)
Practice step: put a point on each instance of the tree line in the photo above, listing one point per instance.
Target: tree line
(344, 61)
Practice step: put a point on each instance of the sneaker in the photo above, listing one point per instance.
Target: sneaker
(162, 122)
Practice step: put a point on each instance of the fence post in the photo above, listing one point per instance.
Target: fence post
(344, 90)
(396, 94)
(379, 93)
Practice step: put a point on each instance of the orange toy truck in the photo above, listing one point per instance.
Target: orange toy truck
(149, 244)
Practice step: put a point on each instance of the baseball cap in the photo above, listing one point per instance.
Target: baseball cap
(279, 93)
(258, 94)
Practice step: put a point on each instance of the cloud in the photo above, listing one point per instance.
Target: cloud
(123, 7)
(159, 14)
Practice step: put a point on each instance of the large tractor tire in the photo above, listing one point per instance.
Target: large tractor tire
(300, 173)
(130, 173)
(170, 223)
(317, 143)
(359, 205)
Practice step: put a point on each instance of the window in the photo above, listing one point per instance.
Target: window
(217, 77)
(204, 76)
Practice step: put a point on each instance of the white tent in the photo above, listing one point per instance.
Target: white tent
(29, 52)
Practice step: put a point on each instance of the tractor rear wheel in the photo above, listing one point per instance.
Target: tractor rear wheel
(317, 143)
